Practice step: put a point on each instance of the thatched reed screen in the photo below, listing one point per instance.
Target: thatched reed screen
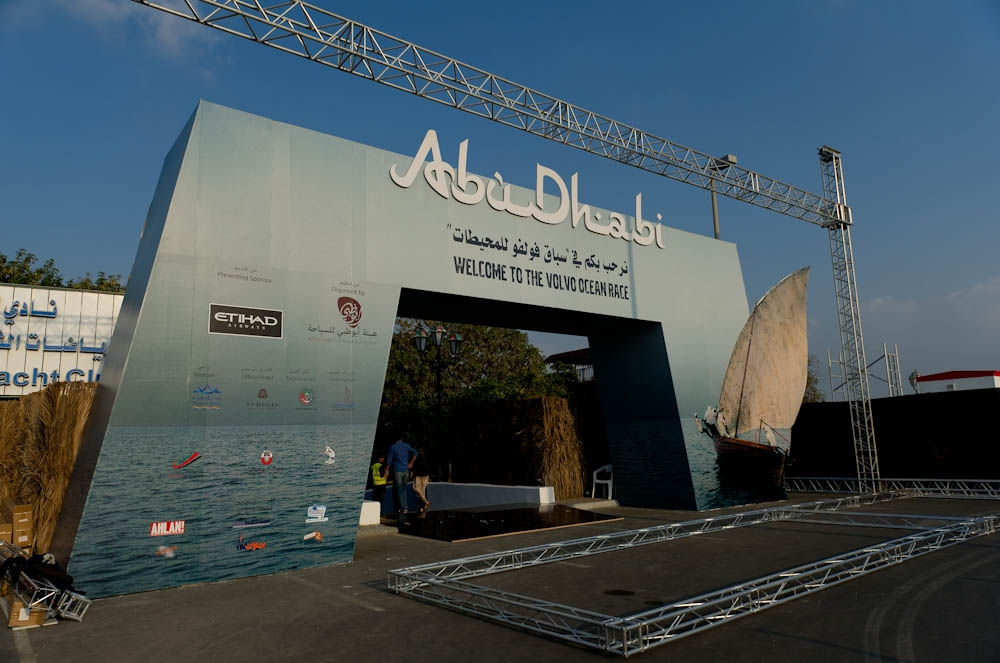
(40, 435)
(550, 444)
(530, 442)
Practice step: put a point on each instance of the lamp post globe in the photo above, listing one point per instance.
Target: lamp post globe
(420, 341)
(454, 343)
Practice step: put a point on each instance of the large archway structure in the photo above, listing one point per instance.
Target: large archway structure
(256, 328)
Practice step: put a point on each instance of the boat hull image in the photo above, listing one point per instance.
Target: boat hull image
(761, 463)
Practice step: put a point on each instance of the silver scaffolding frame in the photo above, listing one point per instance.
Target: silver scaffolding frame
(447, 583)
(318, 35)
(40, 594)
(951, 488)
(845, 285)
(893, 378)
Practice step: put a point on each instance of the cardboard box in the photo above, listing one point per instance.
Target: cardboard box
(18, 615)
(18, 514)
(6, 532)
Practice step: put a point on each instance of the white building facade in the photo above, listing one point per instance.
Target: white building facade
(53, 335)
(958, 381)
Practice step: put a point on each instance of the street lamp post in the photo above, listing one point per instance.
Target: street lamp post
(438, 337)
(718, 165)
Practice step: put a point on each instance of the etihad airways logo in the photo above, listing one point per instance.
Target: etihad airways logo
(451, 182)
(242, 321)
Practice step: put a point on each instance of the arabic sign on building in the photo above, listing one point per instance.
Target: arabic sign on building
(53, 334)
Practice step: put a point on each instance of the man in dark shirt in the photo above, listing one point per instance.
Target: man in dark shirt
(400, 460)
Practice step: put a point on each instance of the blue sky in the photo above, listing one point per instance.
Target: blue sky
(95, 92)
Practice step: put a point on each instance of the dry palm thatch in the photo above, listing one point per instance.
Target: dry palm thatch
(40, 435)
(550, 444)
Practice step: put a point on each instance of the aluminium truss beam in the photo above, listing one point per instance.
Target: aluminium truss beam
(648, 629)
(845, 285)
(638, 632)
(470, 567)
(880, 520)
(969, 488)
(326, 38)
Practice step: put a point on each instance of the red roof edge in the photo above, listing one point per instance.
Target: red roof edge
(956, 375)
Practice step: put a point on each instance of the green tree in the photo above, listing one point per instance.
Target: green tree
(103, 282)
(495, 366)
(812, 393)
(21, 269)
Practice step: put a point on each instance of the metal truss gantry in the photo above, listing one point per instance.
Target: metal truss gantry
(318, 35)
(447, 583)
(954, 488)
(849, 318)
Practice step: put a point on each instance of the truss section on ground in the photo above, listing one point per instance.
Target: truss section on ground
(447, 583)
(470, 567)
(969, 488)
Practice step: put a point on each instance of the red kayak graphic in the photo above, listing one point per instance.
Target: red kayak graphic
(195, 456)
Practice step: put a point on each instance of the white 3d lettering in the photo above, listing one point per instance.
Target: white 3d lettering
(471, 189)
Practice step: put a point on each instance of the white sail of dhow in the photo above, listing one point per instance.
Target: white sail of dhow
(766, 377)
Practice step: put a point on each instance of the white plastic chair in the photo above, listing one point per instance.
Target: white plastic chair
(609, 481)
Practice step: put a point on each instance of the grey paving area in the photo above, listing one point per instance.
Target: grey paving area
(939, 607)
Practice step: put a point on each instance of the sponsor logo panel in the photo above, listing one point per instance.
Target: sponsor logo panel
(316, 514)
(250, 545)
(350, 310)
(244, 321)
(262, 401)
(206, 397)
(167, 528)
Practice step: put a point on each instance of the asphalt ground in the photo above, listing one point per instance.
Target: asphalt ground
(942, 606)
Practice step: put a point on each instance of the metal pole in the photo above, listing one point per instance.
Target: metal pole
(829, 372)
(899, 376)
(437, 391)
(888, 369)
(715, 210)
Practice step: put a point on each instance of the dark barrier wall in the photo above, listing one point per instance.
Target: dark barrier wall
(942, 435)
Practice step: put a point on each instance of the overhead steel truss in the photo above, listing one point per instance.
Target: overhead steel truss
(316, 34)
(321, 36)
(970, 488)
(446, 583)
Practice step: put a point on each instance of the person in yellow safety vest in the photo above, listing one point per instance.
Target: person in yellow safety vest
(379, 472)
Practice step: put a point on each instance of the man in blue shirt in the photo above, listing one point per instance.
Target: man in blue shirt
(399, 461)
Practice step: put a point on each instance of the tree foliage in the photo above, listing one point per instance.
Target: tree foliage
(22, 269)
(812, 393)
(103, 282)
(495, 366)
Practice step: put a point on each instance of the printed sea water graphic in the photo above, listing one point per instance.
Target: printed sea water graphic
(241, 517)
(714, 488)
